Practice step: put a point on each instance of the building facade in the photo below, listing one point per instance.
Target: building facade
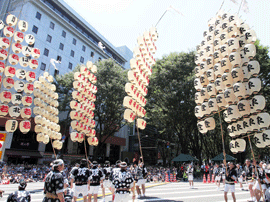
(63, 35)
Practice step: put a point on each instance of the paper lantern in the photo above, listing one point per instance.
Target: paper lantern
(20, 74)
(211, 90)
(216, 56)
(263, 120)
(237, 75)
(229, 96)
(13, 59)
(25, 126)
(210, 75)
(197, 71)
(227, 79)
(4, 43)
(245, 125)
(201, 127)
(253, 125)
(231, 130)
(232, 147)
(250, 50)
(74, 136)
(244, 58)
(197, 59)
(240, 128)
(28, 88)
(257, 103)
(26, 51)
(14, 111)
(2, 67)
(23, 25)
(233, 44)
(24, 61)
(219, 85)
(246, 73)
(203, 45)
(19, 86)
(50, 78)
(233, 112)
(205, 109)
(11, 125)
(217, 33)
(240, 145)
(218, 70)
(40, 137)
(254, 85)
(38, 128)
(141, 123)
(129, 115)
(244, 108)
(198, 112)
(226, 65)
(205, 96)
(16, 99)
(266, 137)
(46, 139)
(30, 39)
(11, 20)
(204, 81)
(259, 140)
(233, 31)
(8, 31)
(5, 96)
(18, 37)
(33, 64)
(226, 118)
(253, 68)
(2, 24)
(250, 36)
(10, 71)
(8, 82)
(203, 67)
(16, 48)
(30, 76)
(235, 132)
(209, 50)
(197, 85)
(224, 51)
(223, 37)
(209, 62)
(210, 123)
(3, 54)
(235, 59)
(26, 112)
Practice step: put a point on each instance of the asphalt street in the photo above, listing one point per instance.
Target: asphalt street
(170, 192)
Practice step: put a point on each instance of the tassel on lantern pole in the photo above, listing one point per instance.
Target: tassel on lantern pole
(254, 161)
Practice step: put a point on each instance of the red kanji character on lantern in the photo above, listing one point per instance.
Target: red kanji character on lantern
(34, 62)
(32, 75)
(4, 108)
(37, 51)
(10, 81)
(28, 99)
(15, 57)
(27, 111)
(27, 125)
(30, 87)
(20, 35)
(7, 95)
(10, 29)
(11, 70)
(5, 40)
(77, 135)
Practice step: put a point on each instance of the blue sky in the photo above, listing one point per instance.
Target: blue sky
(122, 21)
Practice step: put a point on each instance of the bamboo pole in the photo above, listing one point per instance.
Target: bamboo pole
(140, 146)
(223, 144)
(53, 149)
(86, 156)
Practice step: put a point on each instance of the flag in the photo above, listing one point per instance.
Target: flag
(245, 6)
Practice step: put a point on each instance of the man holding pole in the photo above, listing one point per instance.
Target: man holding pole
(230, 178)
(249, 170)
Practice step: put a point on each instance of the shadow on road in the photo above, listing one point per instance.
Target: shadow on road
(152, 199)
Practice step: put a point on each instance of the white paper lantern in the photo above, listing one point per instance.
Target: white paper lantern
(244, 108)
(8, 31)
(226, 118)
(3, 54)
(28, 88)
(11, 20)
(46, 139)
(4, 42)
(13, 59)
(218, 70)
(240, 145)
(259, 140)
(2, 67)
(23, 25)
(226, 65)
(253, 68)
(232, 147)
(197, 71)
(197, 84)
(210, 75)
(14, 111)
(26, 112)
(30, 76)
(227, 79)
(233, 31)
(233, 44)
(16, 48)
(257, 103)
(224, 37)
(210, 123)
(16, 99)
(11, 125)
(231, 130)
(263, 120)
(10, 71)
(205, 109)
(254, 85)
(141, 123)
(233, 112)
(216, 56)
(30, 39)
(224, 50)
(237, 75)
(5, 96)
(19, 86)
(26, 51)
(3, 110)
(18, 37)
(211, 90)
(235, 59)
(198, 112)
(229, 96)
(201, 127)
(40, 137)
(253, 125)
(250, 50)
(219, 85)
(204, 81)
(205, 96)
(24, 61)
(250, 36)
(209, 62)
(33, 64)
(203, 67)
(8, 82)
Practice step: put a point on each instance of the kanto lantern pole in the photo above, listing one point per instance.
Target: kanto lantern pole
(254, 161)
(85, 150)
(53, 149)
(140, 146)
(222, 136)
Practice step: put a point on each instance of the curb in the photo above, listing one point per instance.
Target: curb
(154, 185)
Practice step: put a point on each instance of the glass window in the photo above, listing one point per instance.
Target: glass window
(49, 38)
(70, 65)
(35, 29)
(64, 34)
(61, 46)
(46, 52)
(74, 41)
(59, 58)
(52, 25)
(92, 54)
(38, 15)
(56, 72)
(43, 66)
(82, 60)
(72, 53)
(83, 48)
